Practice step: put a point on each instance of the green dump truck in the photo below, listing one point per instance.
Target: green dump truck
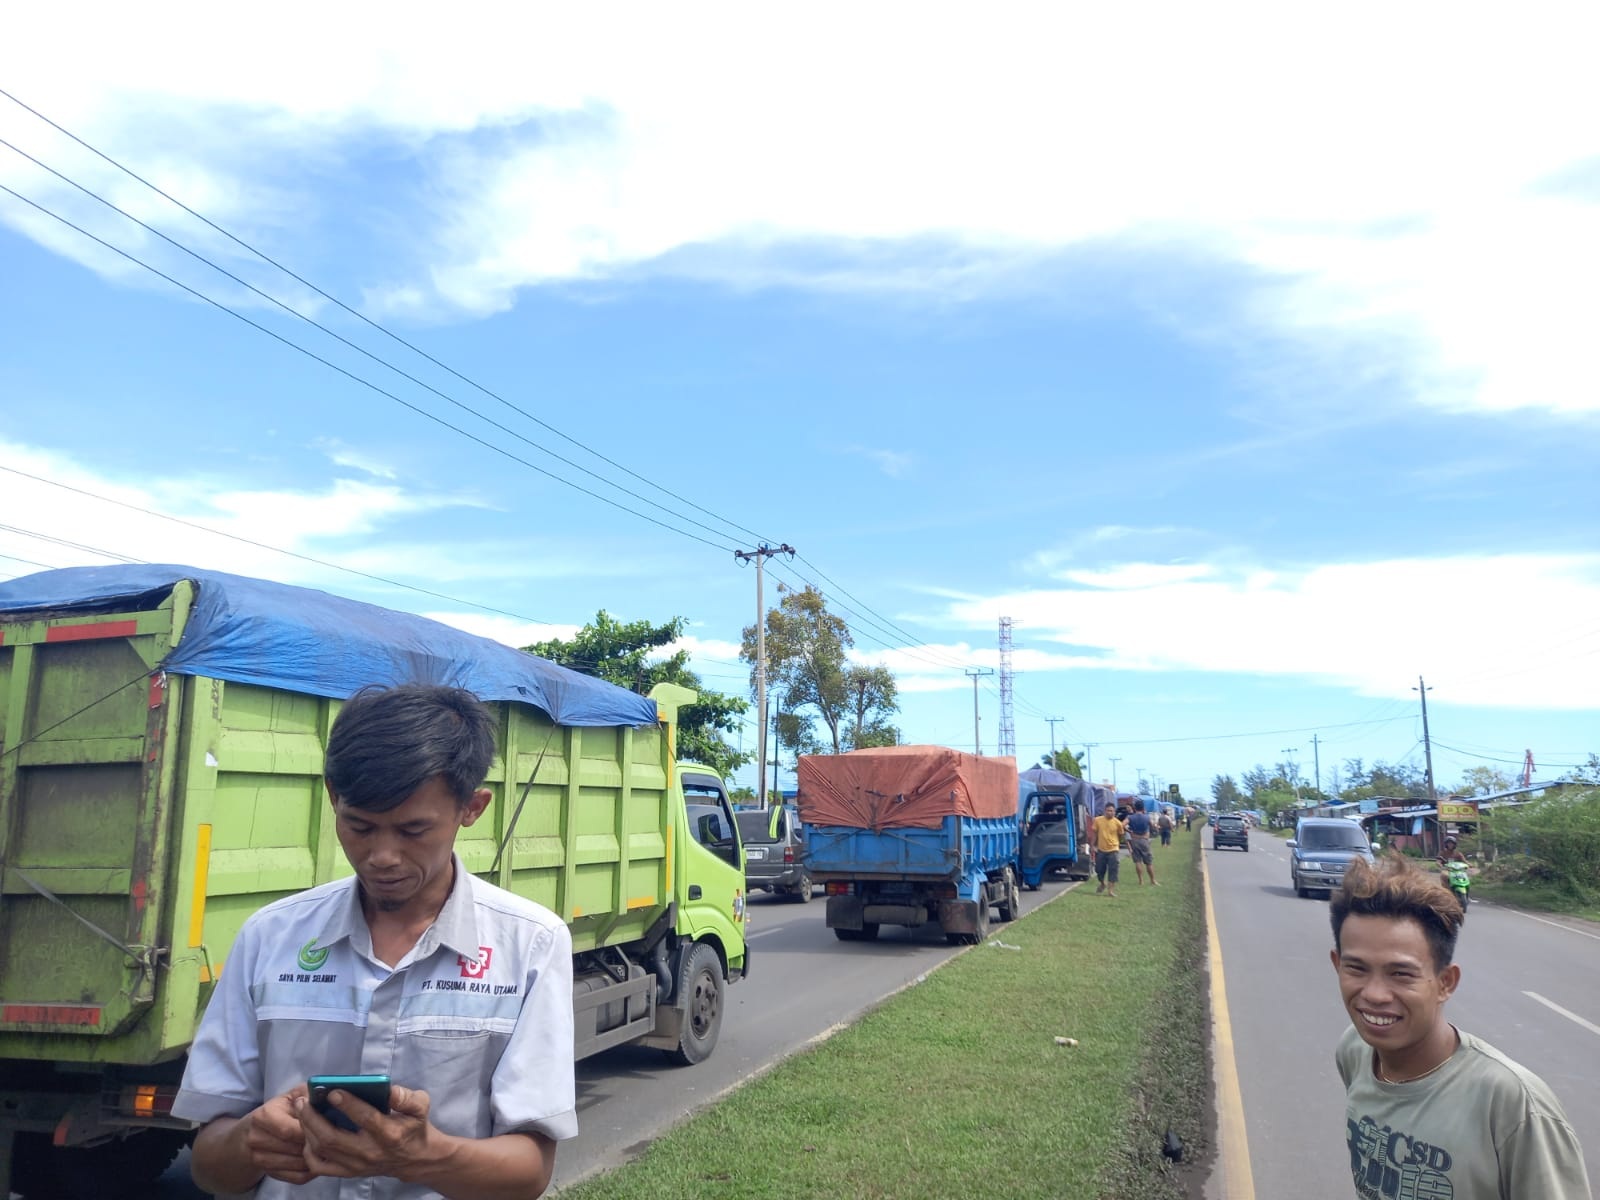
(161, 779)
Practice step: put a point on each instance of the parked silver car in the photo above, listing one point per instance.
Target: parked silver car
(774, 851)
(1321, 850)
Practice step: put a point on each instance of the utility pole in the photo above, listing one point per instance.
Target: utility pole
(777, 750)
(1088, 759)
(759, 556)
(977, 673)
(1294, 772)
(1316, 760)
(1114, 763)
(1422, 690)
(1053, 722)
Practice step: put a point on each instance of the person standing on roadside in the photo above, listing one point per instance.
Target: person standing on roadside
(1430, 1110)
(1165, 825)
(1107, 837)
(385, 959)
(1139, 843)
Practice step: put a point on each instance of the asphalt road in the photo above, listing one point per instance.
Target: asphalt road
(1287, 1017)
(804, 982)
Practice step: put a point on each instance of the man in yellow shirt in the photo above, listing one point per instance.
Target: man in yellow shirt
(1107, 838)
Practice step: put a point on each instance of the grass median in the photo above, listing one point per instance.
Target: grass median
(958, 1083)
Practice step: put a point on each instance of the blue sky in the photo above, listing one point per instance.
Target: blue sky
(1246, 365)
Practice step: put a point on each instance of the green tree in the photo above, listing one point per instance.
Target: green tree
(873, 696)
(808, 670)
(1483, 781)
(1065, 761)
(631, 655)
(1226, 793)
(1256, 781)
(1589, 772)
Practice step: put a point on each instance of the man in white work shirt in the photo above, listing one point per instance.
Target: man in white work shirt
(457, 990)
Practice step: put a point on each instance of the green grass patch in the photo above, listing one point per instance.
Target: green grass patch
(957, 1084)
(1538, 897)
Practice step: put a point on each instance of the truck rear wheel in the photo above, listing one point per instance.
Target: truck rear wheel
(1011, 901)
(700, 994)
(119, 1170)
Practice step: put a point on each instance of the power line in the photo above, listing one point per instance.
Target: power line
(1218, 737)
(367, 383)
(1517, 762)
(321, 562)
(263, 256)
(344, 341)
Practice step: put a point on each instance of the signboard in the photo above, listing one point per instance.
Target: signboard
(1173, 791)
(1458, 810)
(1369, 806)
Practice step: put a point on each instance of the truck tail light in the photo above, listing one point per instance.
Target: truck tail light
(147, 1100)
(840, 889)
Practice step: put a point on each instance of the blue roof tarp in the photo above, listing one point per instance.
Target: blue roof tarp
(1051, 780)
(279, 636)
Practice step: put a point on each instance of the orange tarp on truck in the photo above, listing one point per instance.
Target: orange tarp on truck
(900, 786)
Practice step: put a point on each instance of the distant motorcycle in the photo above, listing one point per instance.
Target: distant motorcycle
(1459, 882)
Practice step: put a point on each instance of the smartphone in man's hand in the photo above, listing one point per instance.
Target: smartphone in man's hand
(373, 1089)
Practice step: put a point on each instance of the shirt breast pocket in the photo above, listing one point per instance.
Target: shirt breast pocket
(454, 1063)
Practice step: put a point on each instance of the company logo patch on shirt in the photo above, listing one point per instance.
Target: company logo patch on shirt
(475, 968)
(310, 960)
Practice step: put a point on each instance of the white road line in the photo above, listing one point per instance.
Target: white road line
(1571, 1016)
(750, 937)
(1555, 924)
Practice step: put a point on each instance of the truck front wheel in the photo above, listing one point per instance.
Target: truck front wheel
(700, 994)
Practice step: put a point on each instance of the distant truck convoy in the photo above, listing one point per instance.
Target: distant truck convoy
(161, 779)
(912, 835)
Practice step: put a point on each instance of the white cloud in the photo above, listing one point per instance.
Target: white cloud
(1503, 630)
(507, 630)
(342, 455)
(66, 514)
(1357, 161)
(1130, 576)
(896, 464)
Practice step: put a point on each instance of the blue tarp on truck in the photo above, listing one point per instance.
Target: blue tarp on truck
(301, 640)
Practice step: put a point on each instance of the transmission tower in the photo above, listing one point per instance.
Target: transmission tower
(1008, 724)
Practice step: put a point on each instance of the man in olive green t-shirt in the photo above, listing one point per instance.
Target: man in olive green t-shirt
(1431, 1112)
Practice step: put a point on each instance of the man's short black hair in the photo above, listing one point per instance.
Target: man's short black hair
(1396, 887)
(388, 741)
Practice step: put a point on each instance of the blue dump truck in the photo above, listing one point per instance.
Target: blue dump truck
(1054, 810)
(908, 835)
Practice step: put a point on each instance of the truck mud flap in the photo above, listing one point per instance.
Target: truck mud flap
(958, 916)
(844, 912)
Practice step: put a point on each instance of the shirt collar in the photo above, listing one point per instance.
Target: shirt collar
(456, 926)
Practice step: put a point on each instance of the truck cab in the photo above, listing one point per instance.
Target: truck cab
(1052, 823)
